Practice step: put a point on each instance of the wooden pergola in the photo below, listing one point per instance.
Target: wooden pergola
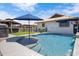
(10, 23)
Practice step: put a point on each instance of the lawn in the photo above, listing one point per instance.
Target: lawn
(23, 33)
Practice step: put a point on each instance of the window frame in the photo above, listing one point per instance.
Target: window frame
(64, 24)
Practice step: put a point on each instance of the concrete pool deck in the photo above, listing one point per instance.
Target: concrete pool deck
(76, 46)
(15, 49)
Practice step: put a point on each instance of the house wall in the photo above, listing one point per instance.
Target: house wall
(55, 28)
(39, 25)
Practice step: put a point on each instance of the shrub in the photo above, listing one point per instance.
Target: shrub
(41, 30)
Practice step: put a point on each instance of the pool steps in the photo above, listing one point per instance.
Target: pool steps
(37, 48)
(31, 45)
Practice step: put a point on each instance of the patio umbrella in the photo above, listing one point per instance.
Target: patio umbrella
(28, 17)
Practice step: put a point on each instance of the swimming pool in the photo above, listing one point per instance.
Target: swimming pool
(54, 45)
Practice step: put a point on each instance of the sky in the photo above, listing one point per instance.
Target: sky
(41, 10)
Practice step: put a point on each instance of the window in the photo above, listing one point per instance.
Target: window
(43, 24)
(64, 24)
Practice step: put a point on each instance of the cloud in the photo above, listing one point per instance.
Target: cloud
(4, 15)
(72, 10)
(26, 6)
(46, 13)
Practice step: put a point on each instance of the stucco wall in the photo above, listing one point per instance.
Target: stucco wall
(54, 28)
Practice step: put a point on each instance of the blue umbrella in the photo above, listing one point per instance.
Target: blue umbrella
(28, 17)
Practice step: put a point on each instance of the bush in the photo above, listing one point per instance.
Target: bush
(41, 30)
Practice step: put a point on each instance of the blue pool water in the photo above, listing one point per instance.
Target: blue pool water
(54, 45)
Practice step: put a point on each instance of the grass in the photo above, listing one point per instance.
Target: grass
(23, 33)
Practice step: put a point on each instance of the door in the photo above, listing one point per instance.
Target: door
(75, 28)
(78, 28)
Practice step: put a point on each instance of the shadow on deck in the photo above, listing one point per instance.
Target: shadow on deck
(22, 40)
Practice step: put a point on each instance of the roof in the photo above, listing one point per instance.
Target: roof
(3, 26)
(61, 18)
(56, 15)
(28, 17)
(6, 21)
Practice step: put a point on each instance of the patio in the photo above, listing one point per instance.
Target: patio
(16, 49)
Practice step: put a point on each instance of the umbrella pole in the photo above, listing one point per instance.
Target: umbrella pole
(29, 29)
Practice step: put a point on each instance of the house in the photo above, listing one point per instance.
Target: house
(59, 24)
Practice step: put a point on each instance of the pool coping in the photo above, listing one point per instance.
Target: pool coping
(76, 46)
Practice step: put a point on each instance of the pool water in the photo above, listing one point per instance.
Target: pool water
(54, 45)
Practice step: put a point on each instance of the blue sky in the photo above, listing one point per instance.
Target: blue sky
(42, 10)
